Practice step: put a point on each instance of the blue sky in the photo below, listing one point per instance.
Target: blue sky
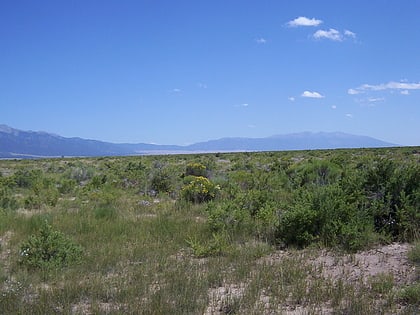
(179, 72)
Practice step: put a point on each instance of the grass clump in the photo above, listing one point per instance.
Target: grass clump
(49, 248)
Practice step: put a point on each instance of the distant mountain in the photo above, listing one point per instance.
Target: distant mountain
(16, 143)
(296, 141)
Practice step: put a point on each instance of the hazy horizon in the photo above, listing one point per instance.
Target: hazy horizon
(182, 72)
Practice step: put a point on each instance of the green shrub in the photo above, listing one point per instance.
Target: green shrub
(200, 189)
(325, 214)
(217, 245)
(315, 172)
(67, 186)
(48, 249)
(27, 178)
(411, 294)
(161, 181)
(414, 254)
(227, 216)
(196, 169)
(105, 212)
(7, 200)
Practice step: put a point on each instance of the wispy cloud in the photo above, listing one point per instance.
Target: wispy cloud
(349, 34)
(348, 115)
(334, 107)
(304, 21)
(242, 105)
(405, 92)
(291, 98)
(334, 35)
(202, 85)
(405, 86)
(352, 91)
(375, 99)
(261, 40)
(176, 90)
(312, 94)
(331, 34)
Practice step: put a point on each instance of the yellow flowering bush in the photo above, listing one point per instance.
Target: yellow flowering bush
(200, 189)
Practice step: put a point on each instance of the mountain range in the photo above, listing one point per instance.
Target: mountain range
(15, 143)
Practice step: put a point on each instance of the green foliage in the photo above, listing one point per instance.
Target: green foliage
(7, 200)
(215, 246)
(49, 249)
(411, 294)
(227, 216)
(199, 190)
(161, 181)
(324, 214)
(105, 212)
(27, 178)
(414, 254)
(196, 169)
(315, 172)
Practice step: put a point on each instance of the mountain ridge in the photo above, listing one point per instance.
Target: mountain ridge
(15, 143)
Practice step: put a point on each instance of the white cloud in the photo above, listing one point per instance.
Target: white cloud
(245, 105)
(377, 99)
(291, 98)
(349, 115)
(405, 92)
(352, 91)
(386, 86)
(312, 94)
(331, 34)
(349, 34)
(304, 21)
(176, 90)
(261, 40)
(334, 107)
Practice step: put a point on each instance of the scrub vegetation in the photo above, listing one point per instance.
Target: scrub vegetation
(299, 232)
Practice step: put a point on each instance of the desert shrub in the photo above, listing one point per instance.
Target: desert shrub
(393, 191)
(408, 217)
(80, 172)
(298, 226)
(105, 212)
(48, 249)
(217, 245)
(66, 186)
(196, 169)
(161, 181)
(33, 201)
(267, 222)
(411, 294)
(200, 189)
(253, 200)
(7, 200)
(227, 216)
(245, 180)
(315, 172)
(97, 181)
(41, 196)
(27, 178)
(414, 254)
(324, 214)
